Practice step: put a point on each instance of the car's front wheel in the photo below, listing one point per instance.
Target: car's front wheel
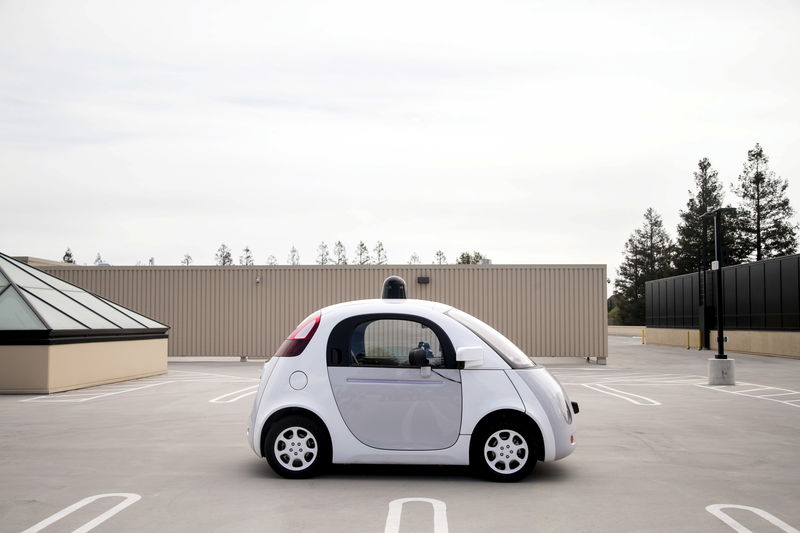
(297, 447)
(503, 451)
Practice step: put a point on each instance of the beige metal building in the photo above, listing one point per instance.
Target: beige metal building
(548, 310)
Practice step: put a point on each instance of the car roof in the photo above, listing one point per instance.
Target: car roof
(387, 305)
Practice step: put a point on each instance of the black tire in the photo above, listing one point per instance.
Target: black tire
(297, 447)
(503, 450)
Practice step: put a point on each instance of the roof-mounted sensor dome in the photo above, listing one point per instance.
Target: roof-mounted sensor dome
(394, 287)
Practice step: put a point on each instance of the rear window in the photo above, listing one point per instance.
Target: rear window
(506, 349)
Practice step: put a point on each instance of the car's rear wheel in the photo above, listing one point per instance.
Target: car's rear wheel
(297, 447)
(503, 451)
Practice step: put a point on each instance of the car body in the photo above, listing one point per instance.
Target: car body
(401, 381)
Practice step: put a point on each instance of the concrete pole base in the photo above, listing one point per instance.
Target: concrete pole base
(721, 372)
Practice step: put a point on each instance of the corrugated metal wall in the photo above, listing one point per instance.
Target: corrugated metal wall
(547, 310)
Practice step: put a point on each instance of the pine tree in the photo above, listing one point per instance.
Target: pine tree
(469, 259)
(223, 255)
(414, 259)
(362, 254)
(151, 261)
(763, 221)
(246, 259)
(695, 240)
(339, 253)
(439, 258)
(272, 260)
(187, 260)
(68, 257)
(294, 257)
(99, 260)
(380, 254)
(648, 256)
(323, 256)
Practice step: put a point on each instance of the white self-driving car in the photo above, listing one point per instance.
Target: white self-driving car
(400, 381)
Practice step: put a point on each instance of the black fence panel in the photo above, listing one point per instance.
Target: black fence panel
(757, 296)
(772, 295)
(790, 292)
(763, 295)
(742, 298)
(729, 298)
(689, 310)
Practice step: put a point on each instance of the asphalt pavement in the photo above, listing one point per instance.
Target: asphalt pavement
(657, 450)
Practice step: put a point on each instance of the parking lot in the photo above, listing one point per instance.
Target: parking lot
(658, 450)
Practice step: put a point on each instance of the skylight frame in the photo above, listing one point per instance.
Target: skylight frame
(50, 335)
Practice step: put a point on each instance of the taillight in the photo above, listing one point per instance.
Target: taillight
(300, 337)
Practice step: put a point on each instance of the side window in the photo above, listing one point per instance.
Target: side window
(395, 343)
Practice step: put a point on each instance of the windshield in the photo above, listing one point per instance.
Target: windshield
(504, 347)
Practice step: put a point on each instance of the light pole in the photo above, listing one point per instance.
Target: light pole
(720, 369)
(758, 179)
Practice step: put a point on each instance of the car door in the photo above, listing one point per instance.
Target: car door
(384, 389)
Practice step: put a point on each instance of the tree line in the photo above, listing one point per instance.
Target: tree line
(761, 227)
(338, 256)
(224, 256)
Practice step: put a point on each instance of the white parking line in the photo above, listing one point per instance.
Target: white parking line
(627, 396)
(77, 397)
(396, 513)
(597, 380)
(219, 399)
(129, 500)
(639, 377)
(111, 389)
(779, 394)
(755, 387)
(717, 508)
(210, 376)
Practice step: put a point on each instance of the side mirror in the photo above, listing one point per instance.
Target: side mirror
(471, 356)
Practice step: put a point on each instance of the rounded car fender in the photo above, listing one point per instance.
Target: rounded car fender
(485, 391)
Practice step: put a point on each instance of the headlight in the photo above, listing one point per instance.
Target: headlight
(562, 401)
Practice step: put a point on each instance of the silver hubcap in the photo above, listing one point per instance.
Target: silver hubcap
(505, 451)
(295, 448)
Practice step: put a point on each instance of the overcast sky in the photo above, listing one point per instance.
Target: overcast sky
(534, 132)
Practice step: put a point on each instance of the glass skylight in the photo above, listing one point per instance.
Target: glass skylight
(33, 300)
(15, 313)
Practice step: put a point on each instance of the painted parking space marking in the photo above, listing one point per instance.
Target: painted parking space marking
(596, 376)
(627, 396)
(601, 381)
(752, 390)
(235, 395)
(129, 499)
(193, 376)
(85, 396)
(592, 378)
(396, 513)
(113, 389)
(717, 510)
